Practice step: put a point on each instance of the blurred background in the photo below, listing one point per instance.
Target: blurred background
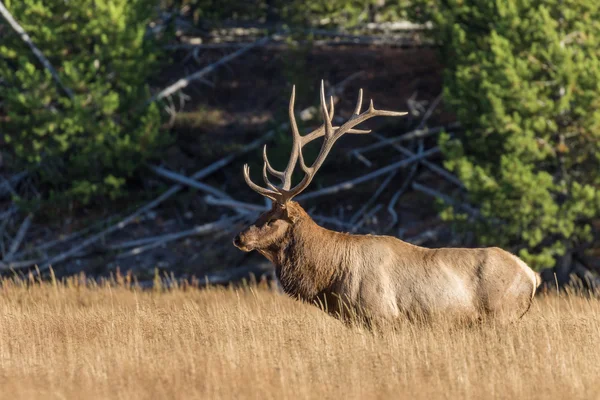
(124, 126)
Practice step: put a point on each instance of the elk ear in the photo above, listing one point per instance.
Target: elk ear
(290, 213)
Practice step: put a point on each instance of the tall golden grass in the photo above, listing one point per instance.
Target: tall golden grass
(68, 341)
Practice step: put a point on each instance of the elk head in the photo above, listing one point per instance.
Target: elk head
(272, 227)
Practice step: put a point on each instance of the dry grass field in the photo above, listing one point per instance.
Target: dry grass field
(68, 342)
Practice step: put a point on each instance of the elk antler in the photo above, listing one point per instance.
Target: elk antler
(332, 134)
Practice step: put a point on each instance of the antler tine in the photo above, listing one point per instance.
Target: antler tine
(331, 133)
(326, 129)
(321, 131)
(298, 140)
(296, 143)
(360, 118)
(358, 103)
(309, 172)
(285, 176)
(327, 119)
(273, 195)
(271, 170)
(331, 108)
(266, 179)
(331, 136)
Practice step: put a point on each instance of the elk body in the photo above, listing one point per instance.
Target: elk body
(376, 277)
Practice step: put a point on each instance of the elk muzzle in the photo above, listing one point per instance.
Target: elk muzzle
(237, 242)
(241, 242)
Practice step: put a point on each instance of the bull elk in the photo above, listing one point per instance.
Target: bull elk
(375, 277)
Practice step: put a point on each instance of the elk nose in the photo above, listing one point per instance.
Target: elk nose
(236, 241)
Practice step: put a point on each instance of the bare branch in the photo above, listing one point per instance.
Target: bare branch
(353, 182)
(387, 34)
(430, 111)
(259, 209)
(231, 203)
(445, 198)
(284, 193)
(440, 171)
(7, 266)
(415, 134)
(433, 167)
(7, 213)
(366, 217)
(332, 92)
(431, 234)
(198, 230)
(19, 237)
(40, 56)
(392, 204)
(149, 206)
(183, 82)
(66, 238)
(206, 46)
(7, 185)
(355, 218)
(188, 181)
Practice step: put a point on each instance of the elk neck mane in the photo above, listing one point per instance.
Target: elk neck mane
(312, 257)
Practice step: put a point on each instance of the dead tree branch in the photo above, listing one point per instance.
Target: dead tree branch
(392, 204)
(430, 234)
(7, 266)
(66, 238)
(198, 230)
(231, 203)
(334, 91)
(386, 182)
(7, 186)
(445, 198)
(19, 237)
(415, 134)
(184, 180)
(183, 82)
(382, 35)
(430, 111)
(366, 217)
(355, 218)
(6, 214)
(259, 209)
(149, 206)
(433, 167)
(353, 182)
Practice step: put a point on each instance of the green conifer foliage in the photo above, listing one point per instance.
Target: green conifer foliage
(523, 77)
(89, 145)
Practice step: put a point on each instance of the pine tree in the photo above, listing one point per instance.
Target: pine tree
(523, 77)
(88, 145)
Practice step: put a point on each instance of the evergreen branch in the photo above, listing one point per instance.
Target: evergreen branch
(40, 56)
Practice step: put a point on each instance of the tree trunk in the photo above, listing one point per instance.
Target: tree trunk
(563, 268)
(273, 16)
